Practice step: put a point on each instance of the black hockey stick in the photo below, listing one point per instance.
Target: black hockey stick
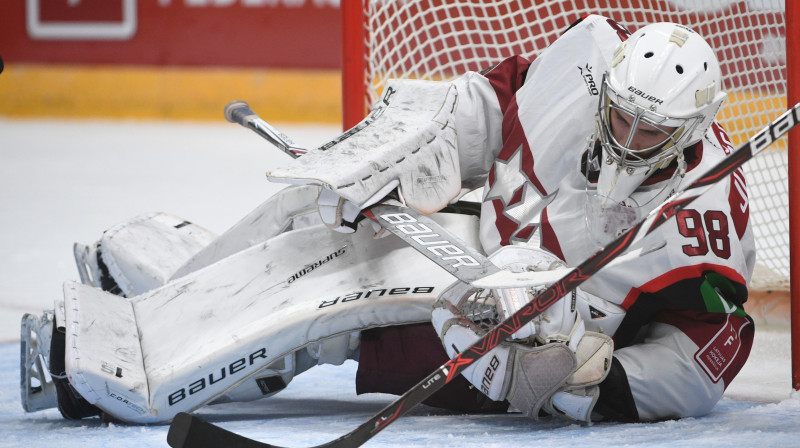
(189, 431)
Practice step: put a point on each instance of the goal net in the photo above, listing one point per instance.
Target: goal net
(440, 39)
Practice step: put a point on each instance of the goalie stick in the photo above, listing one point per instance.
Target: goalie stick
(189, 431)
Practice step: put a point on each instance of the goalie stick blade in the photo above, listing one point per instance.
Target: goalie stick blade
(188, 431)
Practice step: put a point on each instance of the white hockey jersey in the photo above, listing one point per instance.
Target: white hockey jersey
(524, 129)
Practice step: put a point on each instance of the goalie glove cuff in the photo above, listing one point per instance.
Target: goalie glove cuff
(594, 354)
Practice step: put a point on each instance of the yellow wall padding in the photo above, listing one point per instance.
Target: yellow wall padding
(193, 93)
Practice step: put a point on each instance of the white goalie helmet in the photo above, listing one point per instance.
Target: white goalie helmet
(660, 95)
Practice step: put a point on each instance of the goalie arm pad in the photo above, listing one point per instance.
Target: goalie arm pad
(409, 139)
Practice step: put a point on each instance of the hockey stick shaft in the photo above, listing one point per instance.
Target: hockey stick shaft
(570, 281)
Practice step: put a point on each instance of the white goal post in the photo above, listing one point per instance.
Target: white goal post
(440, 39)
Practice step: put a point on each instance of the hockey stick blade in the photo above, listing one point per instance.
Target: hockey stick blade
(189, 431)
(570, 281)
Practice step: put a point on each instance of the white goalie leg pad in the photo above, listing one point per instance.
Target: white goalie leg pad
(104, 364)
(241, 328)
(271, 380)
(140, 254)
(334, 350)
(408, 138)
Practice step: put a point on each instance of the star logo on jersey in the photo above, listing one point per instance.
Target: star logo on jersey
(513, 195)
(519, 209)
(508, 178)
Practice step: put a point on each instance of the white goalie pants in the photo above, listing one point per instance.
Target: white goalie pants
(682, 361)
(679, 366)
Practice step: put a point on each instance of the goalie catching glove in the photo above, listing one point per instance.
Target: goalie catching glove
(407, 143)
(551, 364)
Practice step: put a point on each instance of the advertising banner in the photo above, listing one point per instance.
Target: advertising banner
(227, 33)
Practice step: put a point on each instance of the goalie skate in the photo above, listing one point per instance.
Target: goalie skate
(38, 391)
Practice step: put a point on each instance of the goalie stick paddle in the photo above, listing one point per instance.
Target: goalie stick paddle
(190, 431)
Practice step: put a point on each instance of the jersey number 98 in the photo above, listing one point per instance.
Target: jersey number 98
(710, 232)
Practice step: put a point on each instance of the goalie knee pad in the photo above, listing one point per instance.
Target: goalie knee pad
(140, 254)
(336, 349)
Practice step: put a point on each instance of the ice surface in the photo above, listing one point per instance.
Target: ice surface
(62, 182)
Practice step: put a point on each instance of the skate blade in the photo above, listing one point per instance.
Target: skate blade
(37, 389)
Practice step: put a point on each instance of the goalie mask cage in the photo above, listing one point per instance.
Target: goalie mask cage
(440, 39)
